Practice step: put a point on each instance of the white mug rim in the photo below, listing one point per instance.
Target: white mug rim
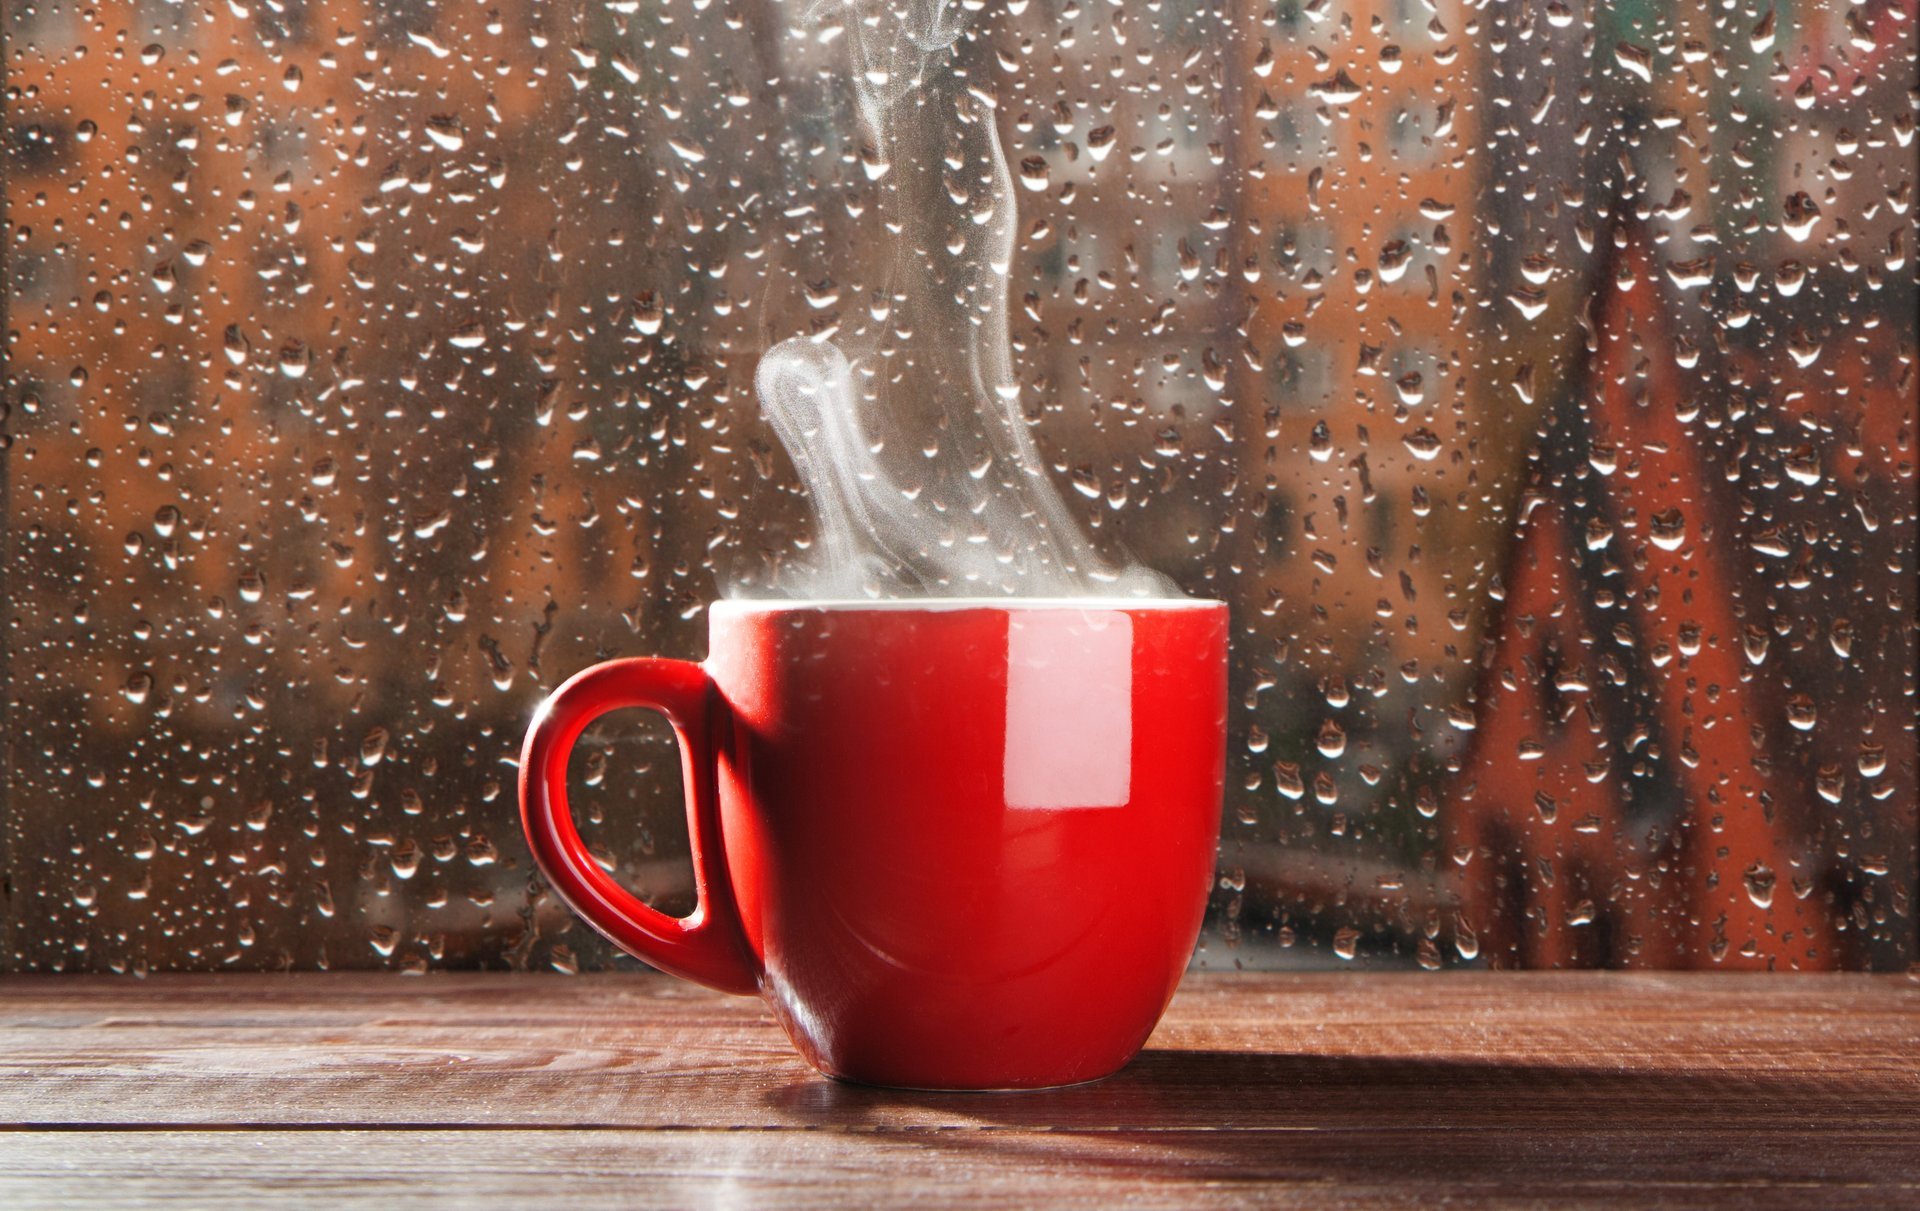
(949, 604)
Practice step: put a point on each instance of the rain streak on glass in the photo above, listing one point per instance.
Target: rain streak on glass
(1535, 381)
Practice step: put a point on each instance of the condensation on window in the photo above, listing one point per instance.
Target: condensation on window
(1535, 381)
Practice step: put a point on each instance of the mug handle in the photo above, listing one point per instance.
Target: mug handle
(707, 946)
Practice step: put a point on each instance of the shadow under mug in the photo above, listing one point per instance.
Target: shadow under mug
(955, 844)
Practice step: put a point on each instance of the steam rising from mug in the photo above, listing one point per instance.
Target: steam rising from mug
(965, 507)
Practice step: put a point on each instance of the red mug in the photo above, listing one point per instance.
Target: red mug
(955, 844)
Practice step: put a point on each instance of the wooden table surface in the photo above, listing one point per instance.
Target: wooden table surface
(633, 1090)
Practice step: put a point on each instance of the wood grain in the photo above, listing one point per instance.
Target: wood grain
(1313, 1090)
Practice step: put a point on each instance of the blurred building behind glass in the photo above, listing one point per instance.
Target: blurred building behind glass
(1536, 382)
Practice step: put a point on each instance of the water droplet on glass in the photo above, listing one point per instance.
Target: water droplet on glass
(445, 132)
(1423, 443)
(1667, 529)
(1800, 214)
(1332, 739)
(1802, 713)
(1340, 90)
(1637, 60)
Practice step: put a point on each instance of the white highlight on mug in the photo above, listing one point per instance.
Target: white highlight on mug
(1069, 709)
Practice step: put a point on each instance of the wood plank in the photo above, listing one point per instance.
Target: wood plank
(1331, 1090)
(1268, 1051)
(1714, 1165)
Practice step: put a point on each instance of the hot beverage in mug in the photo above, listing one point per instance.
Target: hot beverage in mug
(955, 844)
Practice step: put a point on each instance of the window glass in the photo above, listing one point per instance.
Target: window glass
(1536, 382)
